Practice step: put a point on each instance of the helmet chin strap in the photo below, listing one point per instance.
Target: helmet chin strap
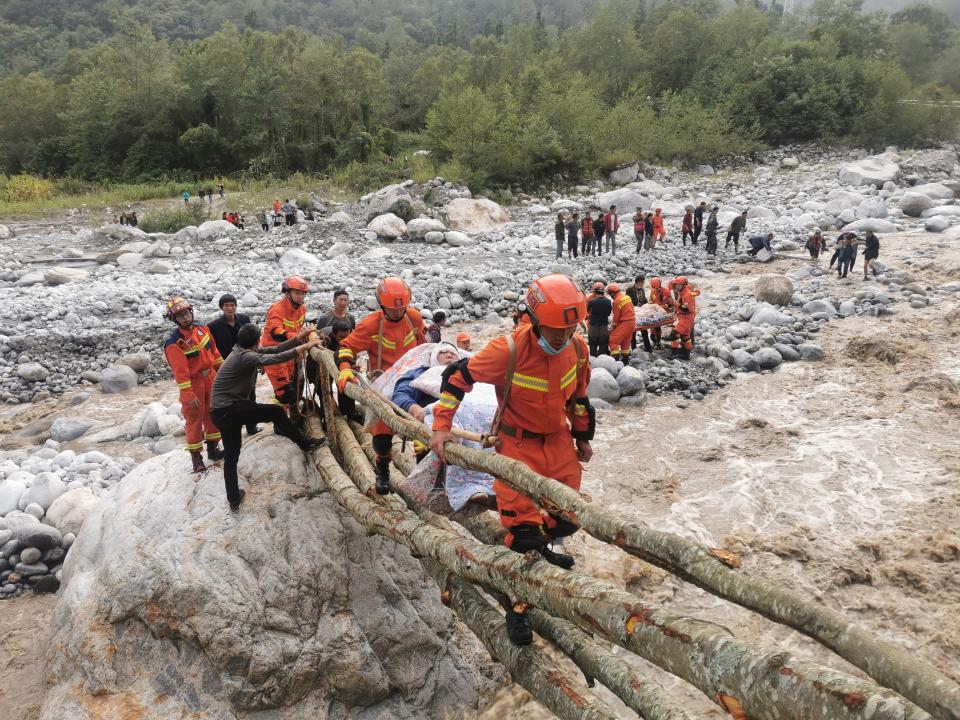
(292, 301)
(387, 317)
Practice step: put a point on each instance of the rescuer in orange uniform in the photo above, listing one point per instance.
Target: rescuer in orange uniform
(624, 324)
(385, 335)
(193, 356)
(544, 417)
(659, 296)
(685, 296)
(284, 320)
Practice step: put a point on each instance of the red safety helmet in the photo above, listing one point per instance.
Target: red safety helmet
(680, 280)
(556, 301)
(175, 305)
(294, 282)
(613, 289)
(598, 287)
(393, 292)
(655, 282)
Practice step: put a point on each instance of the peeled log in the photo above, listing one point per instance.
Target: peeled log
(646, 698)
(766, 683)
(889, 664)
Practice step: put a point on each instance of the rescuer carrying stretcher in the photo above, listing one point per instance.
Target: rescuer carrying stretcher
(541, 372)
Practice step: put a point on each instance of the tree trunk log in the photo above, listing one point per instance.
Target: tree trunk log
(891, 665)
(766, 684)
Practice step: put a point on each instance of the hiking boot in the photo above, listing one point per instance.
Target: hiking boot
(383, 476)
(518, 628)
(561, 560)
(214, 453)
(235, 507)
(197, 457)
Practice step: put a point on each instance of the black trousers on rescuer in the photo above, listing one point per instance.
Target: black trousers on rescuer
(231, 420)
(598, 338)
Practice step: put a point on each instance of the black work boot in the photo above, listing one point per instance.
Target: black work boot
(197, 457)
(383, 475)
(561, 560)
(518, 628)
(235, 507)
(214, 453)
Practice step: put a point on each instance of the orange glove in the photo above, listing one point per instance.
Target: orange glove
(346, 376)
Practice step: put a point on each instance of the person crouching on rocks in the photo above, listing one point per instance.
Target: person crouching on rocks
(233, 389)
(193, 357)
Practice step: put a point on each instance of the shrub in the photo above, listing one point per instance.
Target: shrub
(27, 188)
(174, 219)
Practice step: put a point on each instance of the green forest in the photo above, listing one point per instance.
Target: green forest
(500, 90)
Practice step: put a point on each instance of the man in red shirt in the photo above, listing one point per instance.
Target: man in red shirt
(611, 223)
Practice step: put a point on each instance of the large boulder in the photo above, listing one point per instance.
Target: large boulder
(68, 511)
(418, 228)
(914, 203)
(875, 170)
(215, 228)
(773, 289)
(170, 604)
(297, 259)
(877, 225)
(44, 490)
(387, 199)
(388, 226)
(475, 216)
(626, 200)
(647, 187)
(937, 223)
(934, 191)
(32, 372)
(931, 162)
(118, 379)
(872, 207)
(65, 429)
(603, 386)
(624, 175)
(631, 381)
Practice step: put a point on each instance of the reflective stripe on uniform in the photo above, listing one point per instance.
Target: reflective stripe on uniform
(531, 383)
(389, 344)
(210, 437)
(195, 446)
(409, 338)
(447, 400)
(569, 377)
(185, 385)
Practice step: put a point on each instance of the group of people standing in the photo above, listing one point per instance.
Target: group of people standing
(612, 321)
(204, 193)
(589, 235)
(845, 251)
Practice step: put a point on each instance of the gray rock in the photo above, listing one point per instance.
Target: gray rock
(33, 508)
(32, 372)
(34, 569)
(65, 429)
(118, 379)
(388, 226)
(455, 300)
(419, 227)
(454, 238)
(433, 238)
(934, 191)
(768, 357)
(297, 259)
(787, 352)
(937, 223)
(606, 362)
(46, 488)
(338, 248)
(137, 361)
(745, 361)
(380, 643)
(159, 267)
(631, 381)
(768, 315)
(848, 308)
(877, 225)
(30, 555)
(603, 386)
(874, 170)
(914, 203)
(811, 352)
(68, 512)
(43, 537)
(820, 306)
(624, 175)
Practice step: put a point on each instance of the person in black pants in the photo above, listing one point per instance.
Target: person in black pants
(598, 321)
(698, 221)
(224, 331)
(233, 408)
(638, 296)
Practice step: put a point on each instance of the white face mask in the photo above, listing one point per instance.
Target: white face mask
(549, 349)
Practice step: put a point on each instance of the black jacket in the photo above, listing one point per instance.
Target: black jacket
(224, 334)
(638, 296)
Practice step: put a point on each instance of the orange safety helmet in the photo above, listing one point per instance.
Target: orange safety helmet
(556, 301)
(613, 289)
(598, 287)
(655, 282)
(175, 305)
(680, 280)
(294, 282)
(393, 292)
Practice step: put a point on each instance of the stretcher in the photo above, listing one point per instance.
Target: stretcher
(669, 320)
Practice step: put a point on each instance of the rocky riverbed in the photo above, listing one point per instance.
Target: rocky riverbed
(785, 351)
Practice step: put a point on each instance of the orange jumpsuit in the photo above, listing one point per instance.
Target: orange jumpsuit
(194, 359)
(546, 409)
(284, 321)
(397, 337)
(624, 326)
(686, 315)
(659, 233)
